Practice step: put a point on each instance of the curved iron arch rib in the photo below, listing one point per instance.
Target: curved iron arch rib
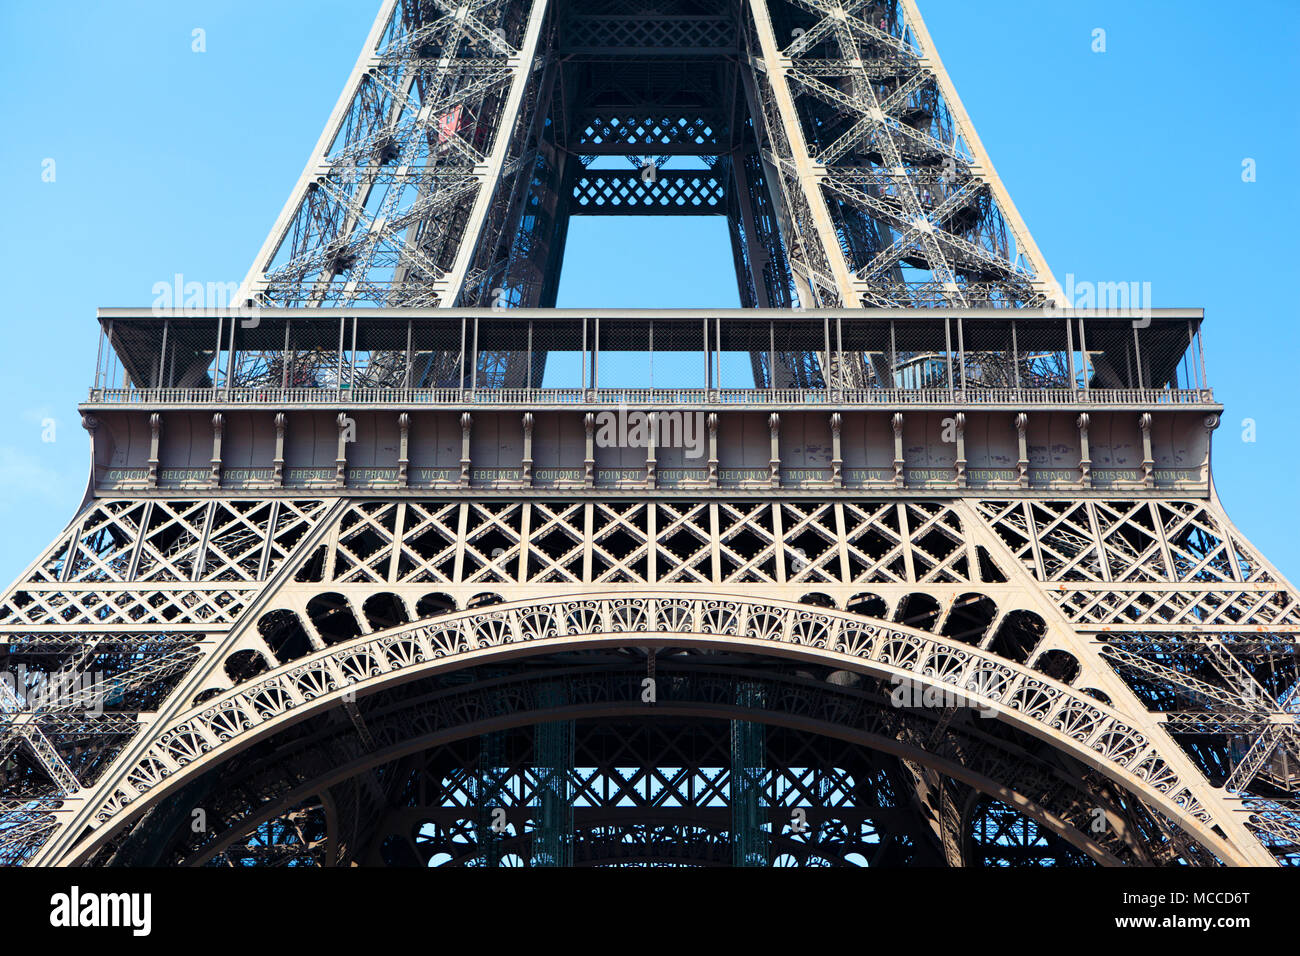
(1080, 727)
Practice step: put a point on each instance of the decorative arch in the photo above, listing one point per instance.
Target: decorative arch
(1018, 634)
(868, 605)
(1096, 694)
(284, 634)
(243, 666)
(332, 616)
(434, 605)
(385, 610)
(969, 618)
(1086, 729)
(818, 599)
(1058, 665)
(918, 610)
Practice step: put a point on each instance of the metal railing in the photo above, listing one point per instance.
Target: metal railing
(562, 397)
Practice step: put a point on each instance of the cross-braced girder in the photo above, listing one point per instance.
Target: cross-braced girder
(987, 586)
(881, 189)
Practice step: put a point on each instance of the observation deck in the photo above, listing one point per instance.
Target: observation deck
(672, 401)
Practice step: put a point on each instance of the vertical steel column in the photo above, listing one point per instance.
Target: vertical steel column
(1015, 353)
(771, 355)
(717, 347)
(473, 367)
(460, 359)
(1137, 359)
(338, 372)
(489, 780)
(708, 360)
(552, 843)
(230, 358)
(750, 841)
(284, 357)
(352, 356)
(406, 372)
(961, 351)
(216, 355)
(162, 355)
(1069, 353)
(947, 350)
(1083, 355)
(1200, 353)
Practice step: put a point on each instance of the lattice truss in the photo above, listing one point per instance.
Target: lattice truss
(667, 542)
(414, 183)
(1154, 607)
(103, 626)
(446, 174)
(890, 198)
(296, 838)
(617, 193)
(822, 803)
(1197, 624)
(603, 25)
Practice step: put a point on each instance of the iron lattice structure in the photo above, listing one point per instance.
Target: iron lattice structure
(931, 570)
(828, 134)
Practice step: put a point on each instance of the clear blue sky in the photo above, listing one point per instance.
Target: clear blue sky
(1125, 164)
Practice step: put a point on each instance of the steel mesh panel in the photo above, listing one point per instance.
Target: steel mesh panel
(921, 354)
(867, 353)
(988, 354)
(438, 349)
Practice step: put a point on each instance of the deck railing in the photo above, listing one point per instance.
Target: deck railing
(650, 397)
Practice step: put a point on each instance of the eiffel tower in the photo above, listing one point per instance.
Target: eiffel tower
(905, 562)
